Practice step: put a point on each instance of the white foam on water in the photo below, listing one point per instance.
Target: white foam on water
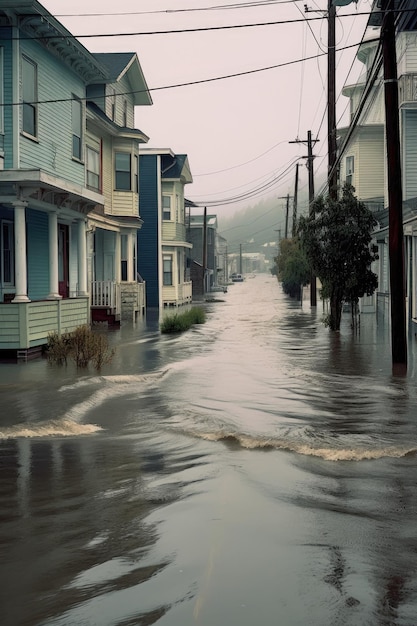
(328, 453)
(119, 379)
(50, 428)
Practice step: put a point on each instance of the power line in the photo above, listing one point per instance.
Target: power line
(179, 30)
(240, 5)
(186, 84)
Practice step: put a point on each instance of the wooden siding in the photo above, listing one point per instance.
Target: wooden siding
(406, 52)
(148, 244)
(125, 203)
(374, 112)
(26, 325)
(5, 35)
(107, 164)
(37, 254)
(410, 153)
(53, 150)
(171, 231)
(123, 91)
(371, 163)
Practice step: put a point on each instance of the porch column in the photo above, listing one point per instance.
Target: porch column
(20, 251)
(53, 257)
(117, 258)
(130, 275)
(82, 259)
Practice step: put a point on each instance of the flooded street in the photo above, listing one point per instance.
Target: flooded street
(254, 471)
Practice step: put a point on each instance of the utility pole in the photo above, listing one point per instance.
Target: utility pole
(240, 258)
(310, 159)
(331, 100)
(204, 249)
(294, 210)
(287, 210)
(395, 199)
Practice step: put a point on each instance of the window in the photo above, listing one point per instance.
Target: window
(93, 169)
(77, 127)
(7, 253)
(123, 171)
(112, 105)
(350, 168)
(136, 175)
(167, 270)
(124, 113)
(177, 208)
(29, 97)
(166, 207)
(123, 255)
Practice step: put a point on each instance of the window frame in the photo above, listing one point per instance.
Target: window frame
(167, 210)
(88, 170)
(122, 173)
(124, 253)
(136, 173)
(350, 168)
(29, 104)
(11, 249)
(77, 128)
(167, 275)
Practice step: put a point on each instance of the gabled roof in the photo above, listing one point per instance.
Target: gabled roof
(35, 21)
(198, 221)
(120, 64)
(111, 127)
(176, 167)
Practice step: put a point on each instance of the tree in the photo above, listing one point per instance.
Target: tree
(337, 237)
(292, 267)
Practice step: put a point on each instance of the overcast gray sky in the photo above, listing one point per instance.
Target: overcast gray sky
(235, 130)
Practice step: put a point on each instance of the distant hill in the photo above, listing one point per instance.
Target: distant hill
(258, 227)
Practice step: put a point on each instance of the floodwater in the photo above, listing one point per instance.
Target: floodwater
(257, 470)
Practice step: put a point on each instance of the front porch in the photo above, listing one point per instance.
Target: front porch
(25, 326)
(177, 295)
(112, 301)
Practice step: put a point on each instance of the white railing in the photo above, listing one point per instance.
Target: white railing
(104, 294)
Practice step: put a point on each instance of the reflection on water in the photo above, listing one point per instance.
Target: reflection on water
(257, 469)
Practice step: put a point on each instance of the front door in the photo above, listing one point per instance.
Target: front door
(63, 260)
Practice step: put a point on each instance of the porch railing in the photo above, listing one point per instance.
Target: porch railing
(104, 294)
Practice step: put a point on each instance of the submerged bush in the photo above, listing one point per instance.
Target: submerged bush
(179, 322)
(81, 346)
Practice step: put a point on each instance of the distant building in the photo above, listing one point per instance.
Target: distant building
(195, 235)
(163, 249)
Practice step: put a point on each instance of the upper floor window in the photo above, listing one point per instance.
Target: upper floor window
(123, 172)
(29, 97)
(93, 169)
(350, 168)
(166, 207)
(124, 113)
(136, 174)
(112, 105)
(77, 127)
(7, 253)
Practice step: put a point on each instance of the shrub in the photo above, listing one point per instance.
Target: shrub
(82, 346)
(179, 322)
